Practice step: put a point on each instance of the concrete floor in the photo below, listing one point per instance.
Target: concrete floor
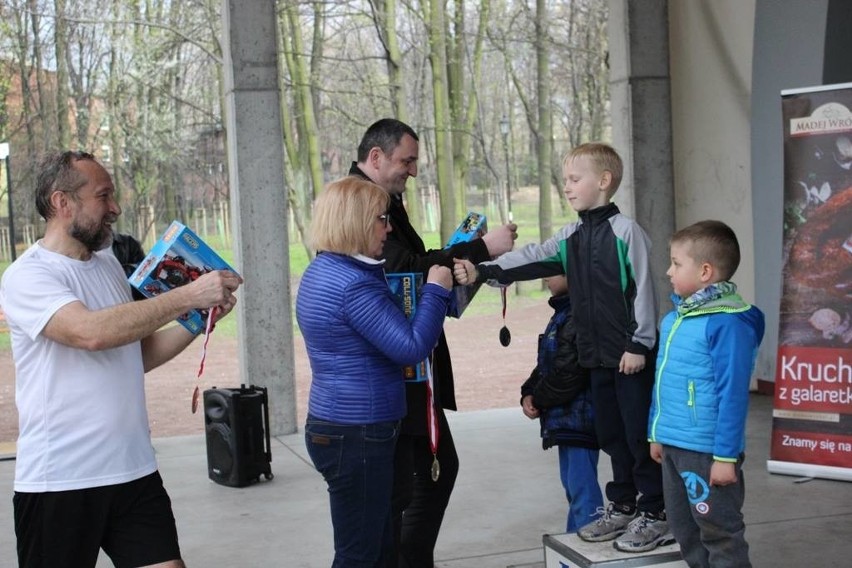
(507, 496)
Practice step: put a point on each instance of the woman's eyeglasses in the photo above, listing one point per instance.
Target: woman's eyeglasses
(384, 218)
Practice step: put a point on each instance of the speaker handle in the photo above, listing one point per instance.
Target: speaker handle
(266, 421)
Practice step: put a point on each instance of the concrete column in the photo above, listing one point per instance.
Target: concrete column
(259, 204)
(641, 123)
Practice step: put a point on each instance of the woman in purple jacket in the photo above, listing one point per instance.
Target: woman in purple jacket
(358, 342)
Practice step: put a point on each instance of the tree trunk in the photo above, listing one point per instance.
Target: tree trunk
(113, 105)
(297, 201)
(443, 132)
(384, 18)
(545, 130)
(472, 114)
(456, 91)
(172, 113)
(63, 128)
(41, 102)
(304, 101)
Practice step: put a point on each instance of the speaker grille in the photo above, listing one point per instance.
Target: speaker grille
(219, 450)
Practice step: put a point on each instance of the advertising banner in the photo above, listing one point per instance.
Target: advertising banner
(812, 416)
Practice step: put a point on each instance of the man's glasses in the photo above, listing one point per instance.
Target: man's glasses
(384, 218)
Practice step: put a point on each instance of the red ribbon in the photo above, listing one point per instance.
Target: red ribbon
(210, 317)
(432, 416)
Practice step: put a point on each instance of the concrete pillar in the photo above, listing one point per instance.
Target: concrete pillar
(641, 123)
(259, 204)
(782, 60)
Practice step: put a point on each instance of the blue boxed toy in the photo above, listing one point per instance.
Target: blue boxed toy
(405, 287)
(473, 226)
(178, 258)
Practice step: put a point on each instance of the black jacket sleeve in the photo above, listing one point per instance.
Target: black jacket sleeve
(567, 379)
(528, 388)
(400, 257)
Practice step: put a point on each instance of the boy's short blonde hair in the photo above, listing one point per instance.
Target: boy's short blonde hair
(712, 242)
(605, 159)
(345, 215)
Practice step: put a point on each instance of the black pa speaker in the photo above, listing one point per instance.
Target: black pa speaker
(236, 423)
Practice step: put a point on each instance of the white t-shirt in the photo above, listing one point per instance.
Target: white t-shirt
(82, 415)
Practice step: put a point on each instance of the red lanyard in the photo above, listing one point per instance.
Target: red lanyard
(432, 418)
(210, 316)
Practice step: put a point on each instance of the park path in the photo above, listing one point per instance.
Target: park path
(487, 375)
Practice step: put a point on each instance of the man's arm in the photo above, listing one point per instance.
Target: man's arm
(400, 257)
(94, 330)
(163, 345)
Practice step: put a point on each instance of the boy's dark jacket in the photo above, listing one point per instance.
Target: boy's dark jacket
(559, 386)
(606, 257)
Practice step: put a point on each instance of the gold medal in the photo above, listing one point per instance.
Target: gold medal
(436, 468)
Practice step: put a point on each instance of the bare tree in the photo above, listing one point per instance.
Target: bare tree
(60, 44)
(465, 66)
(384, 18)
(441, 108)
(140, 83)
(544, 132)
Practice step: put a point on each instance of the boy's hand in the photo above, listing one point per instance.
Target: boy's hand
(500, 240)
(657, 452)
(530, 411)
(722, 473)
(631, 363)
(464, 271)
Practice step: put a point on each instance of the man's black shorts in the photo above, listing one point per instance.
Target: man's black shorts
(133, 522)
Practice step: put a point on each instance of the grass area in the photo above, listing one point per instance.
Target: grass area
(525, 213)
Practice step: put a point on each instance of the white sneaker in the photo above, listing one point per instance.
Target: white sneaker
(611, 523)
(646, 532)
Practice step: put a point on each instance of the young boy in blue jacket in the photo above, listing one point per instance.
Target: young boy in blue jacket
(708, 345)
(559, 394)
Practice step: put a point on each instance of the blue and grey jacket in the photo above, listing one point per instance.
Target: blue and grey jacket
(559, 386)
(606, 258)
(707, 351)
(358, 340)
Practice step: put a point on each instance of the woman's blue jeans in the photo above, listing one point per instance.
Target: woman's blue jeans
(356, 461)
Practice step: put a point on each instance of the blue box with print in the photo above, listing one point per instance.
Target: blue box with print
(405, 288)
(472, 227)
(178, 258)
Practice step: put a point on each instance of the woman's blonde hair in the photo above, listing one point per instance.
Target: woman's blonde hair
(345, 215)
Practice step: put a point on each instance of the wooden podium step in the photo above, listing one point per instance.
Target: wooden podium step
(569, 551)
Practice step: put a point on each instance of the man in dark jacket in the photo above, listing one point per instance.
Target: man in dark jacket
(387, 155)
(129, 253)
